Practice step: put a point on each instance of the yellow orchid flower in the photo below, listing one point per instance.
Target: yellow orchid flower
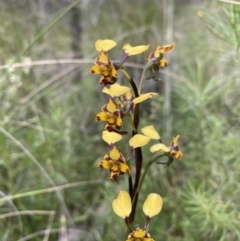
(114, 161)
(110, 113)
(139, 235)
(158, 55)
(104, 67)
(173, 150)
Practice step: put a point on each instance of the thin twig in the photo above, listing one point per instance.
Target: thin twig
(48, 230)
(12, 205)
(36, 234)
(47, 62)
(61, 61)
(27, 212)
(51, 189)
(63, 229)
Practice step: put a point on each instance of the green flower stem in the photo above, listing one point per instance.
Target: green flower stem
(152, 160)
(141, 80)
(149, 65)
(131, 122)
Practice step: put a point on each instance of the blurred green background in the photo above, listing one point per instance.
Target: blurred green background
(49, 139)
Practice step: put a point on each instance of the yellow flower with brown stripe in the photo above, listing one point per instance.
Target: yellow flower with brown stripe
(104, 66)
(115, 162)
(110, 113)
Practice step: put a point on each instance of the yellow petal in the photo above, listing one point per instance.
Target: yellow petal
(138, 233)
(135, 50)
(111, 137)
(163, 62)
(128, 95)
(124, 167)
(111, 106)
(104, 44)
(102, 59)
(143, 97)
(153, 205)
(178, 154)
(115, 171)
(175, 141)
(150, 132)
(105, 90)
(102, 116)
(96, 70)
(114, 73)
(139, 140)
(115, 153)
(159, 147)
(122, 205)
(116, 90)
(105, 164)
(126, 46)
(166, 48)
(119, 122)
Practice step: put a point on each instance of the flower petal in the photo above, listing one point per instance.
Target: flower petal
(152, 205)
(111, 106)
(96, 70)
(150, 132)
(143, 97)
(102, 59)
(166, 48)
(102, 116)
(111, 137)
(159, 147)
(122, 205)
(114, 153)
(119, 122)
(124, 167)
(105, 44)
(126, 46)
(139, 140)
(175, 140)
(114, 172)
(105, 164)
(116, 90)
(163, 62)
(178, 155)
(114, 73)
(105, 90)
(135, 50)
